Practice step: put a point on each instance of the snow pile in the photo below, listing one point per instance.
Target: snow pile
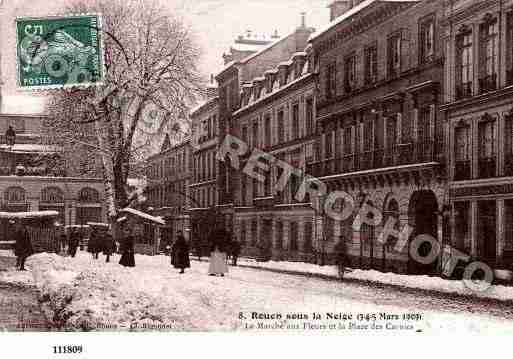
(83, 294)
(424, 282)
(15, 277)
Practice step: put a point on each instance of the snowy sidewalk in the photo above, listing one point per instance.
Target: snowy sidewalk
(85, 294)
(419, 282)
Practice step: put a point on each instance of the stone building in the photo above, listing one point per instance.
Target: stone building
(479, 109)
(381, 140)
(168, 175)
(203, 183)
(231, 80)
(277, 115)
(202, 186)
(32, 178)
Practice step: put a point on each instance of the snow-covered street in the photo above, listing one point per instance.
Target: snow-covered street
(83, 293)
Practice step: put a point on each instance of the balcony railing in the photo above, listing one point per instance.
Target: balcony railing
(464, 90)
(402, 154)
(487, 167)
(462, 170)
(488, 83)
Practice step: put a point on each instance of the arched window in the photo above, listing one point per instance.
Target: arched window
(52, 195)
(15, 200)
(88, 195)
(14, 195)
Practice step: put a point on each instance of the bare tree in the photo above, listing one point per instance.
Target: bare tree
(151, 79)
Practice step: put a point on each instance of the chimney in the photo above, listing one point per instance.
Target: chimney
(338, 7)
(275, 35)
(303, 19)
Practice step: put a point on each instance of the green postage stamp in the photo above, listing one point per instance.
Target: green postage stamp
(59, 52)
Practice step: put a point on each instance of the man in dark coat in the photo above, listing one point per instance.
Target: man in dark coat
(74, 240)
(127, 247)
(235, 251)
(96, 239)
(180, 253)
(109, 246)
(23, 247)
(340, 256)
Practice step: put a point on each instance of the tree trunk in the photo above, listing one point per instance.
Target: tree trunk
(108, 165)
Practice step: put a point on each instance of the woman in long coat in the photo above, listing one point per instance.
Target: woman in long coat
(180, 253)
(218, 253)
(127, 248)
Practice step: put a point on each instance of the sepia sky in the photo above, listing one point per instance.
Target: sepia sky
(216, 23)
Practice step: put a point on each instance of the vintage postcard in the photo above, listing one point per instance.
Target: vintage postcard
(306, 167)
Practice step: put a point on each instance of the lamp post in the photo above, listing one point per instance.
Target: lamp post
(319, 214)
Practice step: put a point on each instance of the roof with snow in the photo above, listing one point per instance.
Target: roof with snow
(247, 47)
(29, 148)
(27, 215)
(98, 224)
(143, 215)
(353, 11)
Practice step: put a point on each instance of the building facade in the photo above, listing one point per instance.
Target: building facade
(168, 175)
(277, 116)
(232, 80)
(404, 105)
(203, 189)
(381, 138)
(34, 176)
(479, 110)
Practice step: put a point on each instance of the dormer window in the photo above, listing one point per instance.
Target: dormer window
(283, 73)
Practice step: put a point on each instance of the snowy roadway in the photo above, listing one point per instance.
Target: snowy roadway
(106, 296)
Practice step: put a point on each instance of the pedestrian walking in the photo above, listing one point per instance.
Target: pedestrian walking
(109, 246)
(340, 256)
(235, 251)
(23, 246)
(180, 253)
(218, 251)
(63, 242)
(74, 241)
(127, 248)
(95, 243)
